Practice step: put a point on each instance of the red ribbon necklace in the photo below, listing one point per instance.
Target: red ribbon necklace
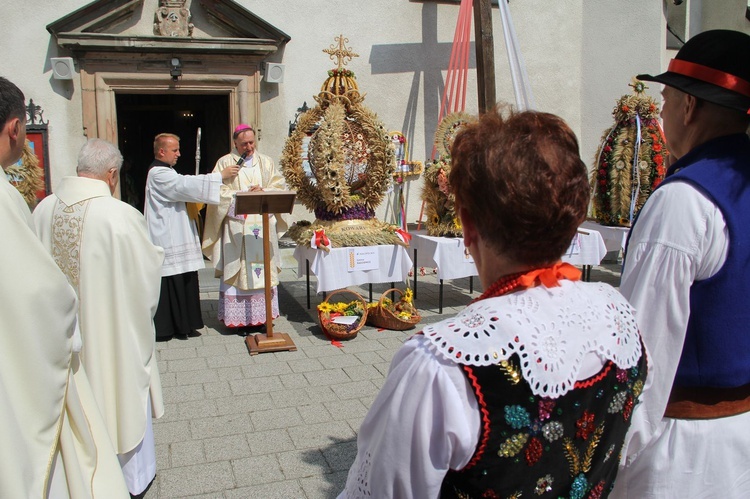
(546, 276)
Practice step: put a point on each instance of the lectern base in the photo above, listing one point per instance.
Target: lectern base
(260, 343)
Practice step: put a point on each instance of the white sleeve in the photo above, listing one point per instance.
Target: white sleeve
(680, 237)
(424, 421)
(171, 186)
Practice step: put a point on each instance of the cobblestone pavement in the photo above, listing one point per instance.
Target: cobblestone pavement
(283, 424)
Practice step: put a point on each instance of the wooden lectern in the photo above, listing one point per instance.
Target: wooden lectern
(264, 203)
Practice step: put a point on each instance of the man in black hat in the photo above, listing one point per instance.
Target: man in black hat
(687, 273)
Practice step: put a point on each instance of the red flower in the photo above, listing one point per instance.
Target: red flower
(628, 409)
(602, 172)
(533, 451)
(625, 109)
(658, 159)
(607, 149)
(585, 425)
(602, 182)
(596, 492)
(656, 147)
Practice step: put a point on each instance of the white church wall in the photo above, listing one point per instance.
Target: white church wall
(27, 48)
(579, 55)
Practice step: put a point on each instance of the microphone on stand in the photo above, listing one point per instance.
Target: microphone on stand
(241, 161)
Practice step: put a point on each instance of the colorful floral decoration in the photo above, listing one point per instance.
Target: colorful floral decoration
(439, 201)
(26, 176)
(330, 311)
(631, 160)
(351, 158)
(404, 166)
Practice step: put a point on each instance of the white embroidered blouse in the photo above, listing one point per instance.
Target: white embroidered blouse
(426, 419)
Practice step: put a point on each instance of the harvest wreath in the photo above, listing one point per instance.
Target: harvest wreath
(351, 162)
(439, 201)
(631, 160)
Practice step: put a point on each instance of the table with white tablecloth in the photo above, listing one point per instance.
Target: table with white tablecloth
(614, 237)
(447, 254)
(586, 250)
(335, 270)
(452, 260)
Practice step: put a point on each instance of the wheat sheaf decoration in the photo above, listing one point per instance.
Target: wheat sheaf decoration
(439, 201)
(27, 177)
(350, 161)
(630, 161)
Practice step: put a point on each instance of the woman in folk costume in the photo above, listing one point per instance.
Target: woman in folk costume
(527, 392)
(234, 242)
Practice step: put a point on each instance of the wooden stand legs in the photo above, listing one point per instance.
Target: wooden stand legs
(268, 341)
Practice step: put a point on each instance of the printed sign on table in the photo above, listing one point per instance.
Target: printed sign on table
(363, 258)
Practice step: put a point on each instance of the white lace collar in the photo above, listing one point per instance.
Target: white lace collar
(551, 330)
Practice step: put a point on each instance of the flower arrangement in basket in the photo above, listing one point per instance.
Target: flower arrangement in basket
(397, 315)
(342, 320)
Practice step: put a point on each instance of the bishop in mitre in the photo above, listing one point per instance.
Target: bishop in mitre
(234, 242)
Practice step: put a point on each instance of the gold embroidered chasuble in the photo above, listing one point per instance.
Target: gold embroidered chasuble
(53, 438)
(102, 246)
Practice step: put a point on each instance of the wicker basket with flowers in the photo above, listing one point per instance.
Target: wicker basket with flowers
(342, 320)
(397, 315)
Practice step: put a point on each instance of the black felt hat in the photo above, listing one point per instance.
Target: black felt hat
(713, 66)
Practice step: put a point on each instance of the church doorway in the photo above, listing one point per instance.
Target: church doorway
(140, 117)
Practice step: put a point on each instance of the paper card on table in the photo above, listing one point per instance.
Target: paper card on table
(363, 258)
(467, 256)
(346, 320)
(575, 246)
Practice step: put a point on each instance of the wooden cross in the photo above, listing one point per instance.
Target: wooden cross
(485, 55)
(342, 52)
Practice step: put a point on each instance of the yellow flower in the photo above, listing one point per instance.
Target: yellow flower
(325, 307)
(408, 295)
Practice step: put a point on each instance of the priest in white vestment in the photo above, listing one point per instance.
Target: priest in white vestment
(234, 243)
(54, 442)
(179, 312)
(102, 246)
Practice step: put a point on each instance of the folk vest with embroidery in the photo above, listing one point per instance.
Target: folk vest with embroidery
(543, 430)
(535, 446)
(718, 325)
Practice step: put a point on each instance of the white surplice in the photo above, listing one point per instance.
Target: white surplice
(166, 215)
(54, 443)
(680, 237)
(103, 247)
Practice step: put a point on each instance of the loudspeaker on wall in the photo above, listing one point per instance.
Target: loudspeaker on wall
(62, 68)
(274, 72)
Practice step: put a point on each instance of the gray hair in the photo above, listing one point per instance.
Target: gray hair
(97, 157)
